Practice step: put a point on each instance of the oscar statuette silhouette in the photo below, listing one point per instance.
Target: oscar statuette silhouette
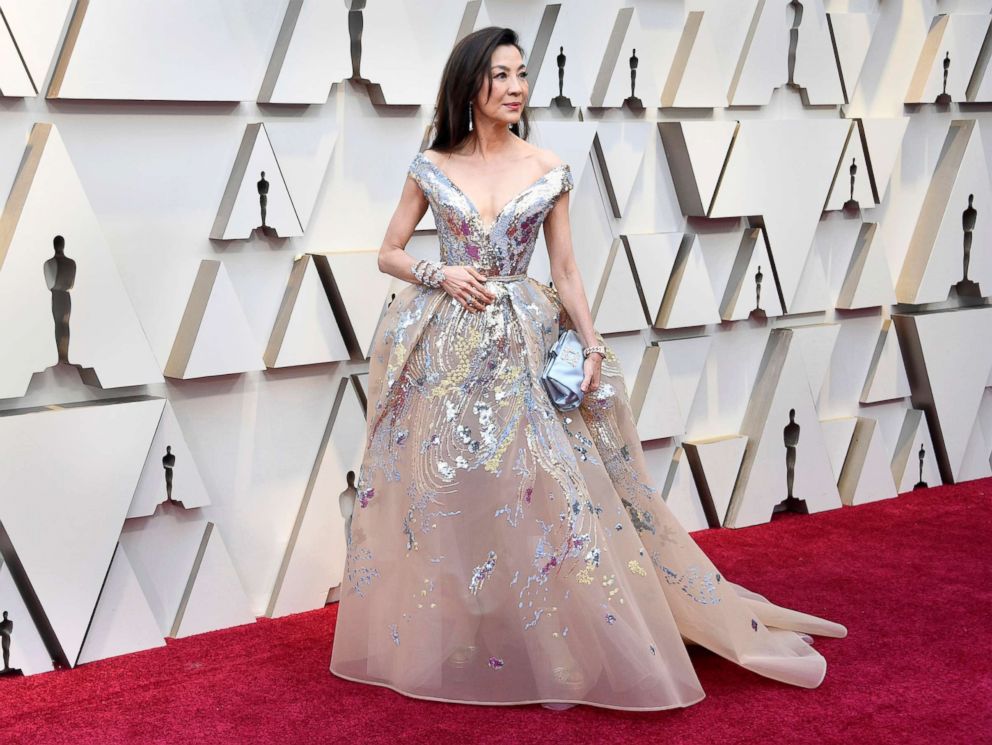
(561, 100)
(60, 276)
(851, 205)
(944, 98)
(632, 101)
(6, 628)
(969, 218)
(921, 484)
(790, 436)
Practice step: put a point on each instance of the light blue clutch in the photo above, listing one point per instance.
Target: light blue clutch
(563, 373)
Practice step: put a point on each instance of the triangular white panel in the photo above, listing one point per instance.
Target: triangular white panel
(696, 79)
(396, 33)
(482, 18)
(14, 79)
(884, 138)
(868, 282)
(980, 86)
(256, 169)
(834, 243)
(686, 360)
(682, 496)
(653, 402)
(813, 293)
(214, 598)
(772, 171)
(654, 256)
(697, 152)
(741, 296)
(27, 649)
(720, 242)
(612, 85)
(572, 142)
(984, 424)
(852, 34)
(951, 353)
(816, 64)
(123, 622)
(717, 462)
(689, 297)
(908, 467)
(363, 290)
(621, 146)
(69, 475)
(867, 473)
(976, 463)
(959, 36)
(816, 342)
(187, 484)
(617, 304)
(315, 556)
(935, 257)
(886, 378)
(305, 332)
(562, 26)
(837, 434)
(763, 64)
(841, 191)
(303, 149)
(311, 53)
(46, 200)
(782, 385)
(37, 27)
(214, 337)
(181, 50)
(162, 551)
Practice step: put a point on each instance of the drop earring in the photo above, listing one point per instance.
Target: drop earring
(469, 116)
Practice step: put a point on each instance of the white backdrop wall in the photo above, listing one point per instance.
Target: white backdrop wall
(152, 103)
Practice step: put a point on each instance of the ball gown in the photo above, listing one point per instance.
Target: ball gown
(504, 552)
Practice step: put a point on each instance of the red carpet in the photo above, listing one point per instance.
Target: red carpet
(911, 578)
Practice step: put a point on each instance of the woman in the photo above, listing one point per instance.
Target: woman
(503, 551)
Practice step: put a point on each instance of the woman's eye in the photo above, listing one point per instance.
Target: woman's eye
(523, 74)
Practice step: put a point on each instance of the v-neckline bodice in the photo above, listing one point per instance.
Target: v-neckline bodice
(487, 231)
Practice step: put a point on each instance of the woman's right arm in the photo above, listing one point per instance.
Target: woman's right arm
(461, 282)
(393, 258)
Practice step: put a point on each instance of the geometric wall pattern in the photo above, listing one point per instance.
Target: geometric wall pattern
(787, 240)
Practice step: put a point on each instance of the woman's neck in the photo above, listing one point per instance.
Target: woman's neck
(491, 140)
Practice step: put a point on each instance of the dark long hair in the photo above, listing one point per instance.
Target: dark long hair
(465, 73)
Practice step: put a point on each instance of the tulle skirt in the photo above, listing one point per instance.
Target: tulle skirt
(504, 552)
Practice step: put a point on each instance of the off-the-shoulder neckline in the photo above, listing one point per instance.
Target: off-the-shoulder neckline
(471, 203)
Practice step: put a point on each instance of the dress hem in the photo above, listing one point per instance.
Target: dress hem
(514, 703)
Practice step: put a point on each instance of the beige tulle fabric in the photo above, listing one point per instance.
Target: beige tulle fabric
(504, 552)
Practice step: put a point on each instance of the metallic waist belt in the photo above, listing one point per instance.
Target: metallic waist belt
(505, 277)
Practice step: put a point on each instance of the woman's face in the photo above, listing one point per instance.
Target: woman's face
(508, 75)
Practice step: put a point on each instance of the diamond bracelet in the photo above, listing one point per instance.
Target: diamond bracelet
(428, 273)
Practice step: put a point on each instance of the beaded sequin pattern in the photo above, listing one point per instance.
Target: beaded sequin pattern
(494, 532)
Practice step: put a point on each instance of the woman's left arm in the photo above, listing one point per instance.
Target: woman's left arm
(568, 283)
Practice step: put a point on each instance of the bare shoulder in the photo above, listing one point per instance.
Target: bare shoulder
(433, 156)
(548, 159)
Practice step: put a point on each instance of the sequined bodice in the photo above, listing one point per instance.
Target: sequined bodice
(506, 245)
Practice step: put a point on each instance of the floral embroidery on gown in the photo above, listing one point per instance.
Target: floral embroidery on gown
(504, 552)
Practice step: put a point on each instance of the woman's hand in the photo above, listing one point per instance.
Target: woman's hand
(465, 284)
(591, 367)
